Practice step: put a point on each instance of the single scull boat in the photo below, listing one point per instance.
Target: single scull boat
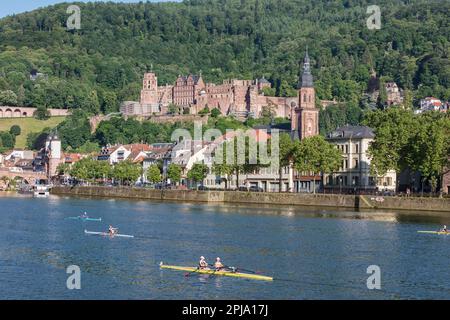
(217, 273)
(435, 232)
(107, 234)
(85, 219)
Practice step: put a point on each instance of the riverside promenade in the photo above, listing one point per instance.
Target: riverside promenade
(290, 199)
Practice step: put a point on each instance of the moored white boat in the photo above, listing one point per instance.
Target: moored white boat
(41, 191)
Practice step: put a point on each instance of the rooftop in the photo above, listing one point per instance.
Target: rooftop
(351, 132)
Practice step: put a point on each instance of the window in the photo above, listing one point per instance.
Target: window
(346, 164)
(356, 147)
(330, 180)
(356, 163)
(346, 148)
(389, 181)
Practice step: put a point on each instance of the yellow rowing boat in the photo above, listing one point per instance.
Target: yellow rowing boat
(217, 273)
(435, 232)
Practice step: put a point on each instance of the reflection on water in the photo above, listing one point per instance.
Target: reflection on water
(311, 252)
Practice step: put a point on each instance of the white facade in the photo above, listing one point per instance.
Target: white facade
(19, 154)
(118, 154)
(354, 173)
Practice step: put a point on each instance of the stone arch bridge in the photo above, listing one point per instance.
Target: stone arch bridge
(28, 177)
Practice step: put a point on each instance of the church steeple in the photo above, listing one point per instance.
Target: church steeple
(305, 118)
(306, 80)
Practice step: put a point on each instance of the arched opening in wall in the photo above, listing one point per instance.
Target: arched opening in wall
(1, 113)
(17, 113)
(25, 114)
(8, 113)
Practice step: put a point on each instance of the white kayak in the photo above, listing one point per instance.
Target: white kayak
(106, 234)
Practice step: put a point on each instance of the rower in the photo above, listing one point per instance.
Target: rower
(84, 215)
(444, 229)
(218, 265)
(112, 230)
(203, 264)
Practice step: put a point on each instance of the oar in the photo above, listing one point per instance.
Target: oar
(236, 269)
(189, 273)
(246, 270)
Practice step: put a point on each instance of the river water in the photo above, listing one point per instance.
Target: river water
(311, 253)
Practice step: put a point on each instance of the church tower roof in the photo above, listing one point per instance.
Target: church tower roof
(306, 80)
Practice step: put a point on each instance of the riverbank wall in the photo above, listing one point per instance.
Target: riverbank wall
(290, 199)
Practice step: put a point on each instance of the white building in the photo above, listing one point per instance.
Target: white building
(160, 154)
(189, 152)
(430, 104)
(354, 174)
(132, 152)
(19, 155)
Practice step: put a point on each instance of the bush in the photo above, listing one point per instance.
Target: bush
(42, 113)
(215, 113)
(15, 130)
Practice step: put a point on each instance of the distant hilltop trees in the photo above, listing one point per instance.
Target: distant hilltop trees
(101, 65)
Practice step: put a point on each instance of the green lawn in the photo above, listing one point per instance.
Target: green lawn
(28, 125)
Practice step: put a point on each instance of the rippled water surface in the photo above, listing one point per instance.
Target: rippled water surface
(311, 253)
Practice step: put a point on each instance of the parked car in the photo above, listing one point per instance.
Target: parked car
(243, 188)
(202, 188)
(256, 189)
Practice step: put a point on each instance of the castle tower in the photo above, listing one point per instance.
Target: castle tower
(149, 92)
(305, 119)
(53, 151)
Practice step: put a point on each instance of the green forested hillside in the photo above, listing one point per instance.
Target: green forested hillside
(102, 64)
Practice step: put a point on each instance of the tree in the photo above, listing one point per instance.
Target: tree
(63, 169)
(393, 128)
(173, 109)
(223, 170)
(75, 130)
(408, 100)
(41, 113)
(198, 172)
(287, 148)
(404, 140)
(8, 98)
(7, 140)
(81, 170)
(88, 147)
(15, 130)
(126, 172)
(382, 97)
(36, 140)
(154, 174)
(315, 155)
(204, 111)
(215, 113)
(174, 173)
(428, 147)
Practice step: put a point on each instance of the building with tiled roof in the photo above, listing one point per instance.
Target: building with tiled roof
(354, 173)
